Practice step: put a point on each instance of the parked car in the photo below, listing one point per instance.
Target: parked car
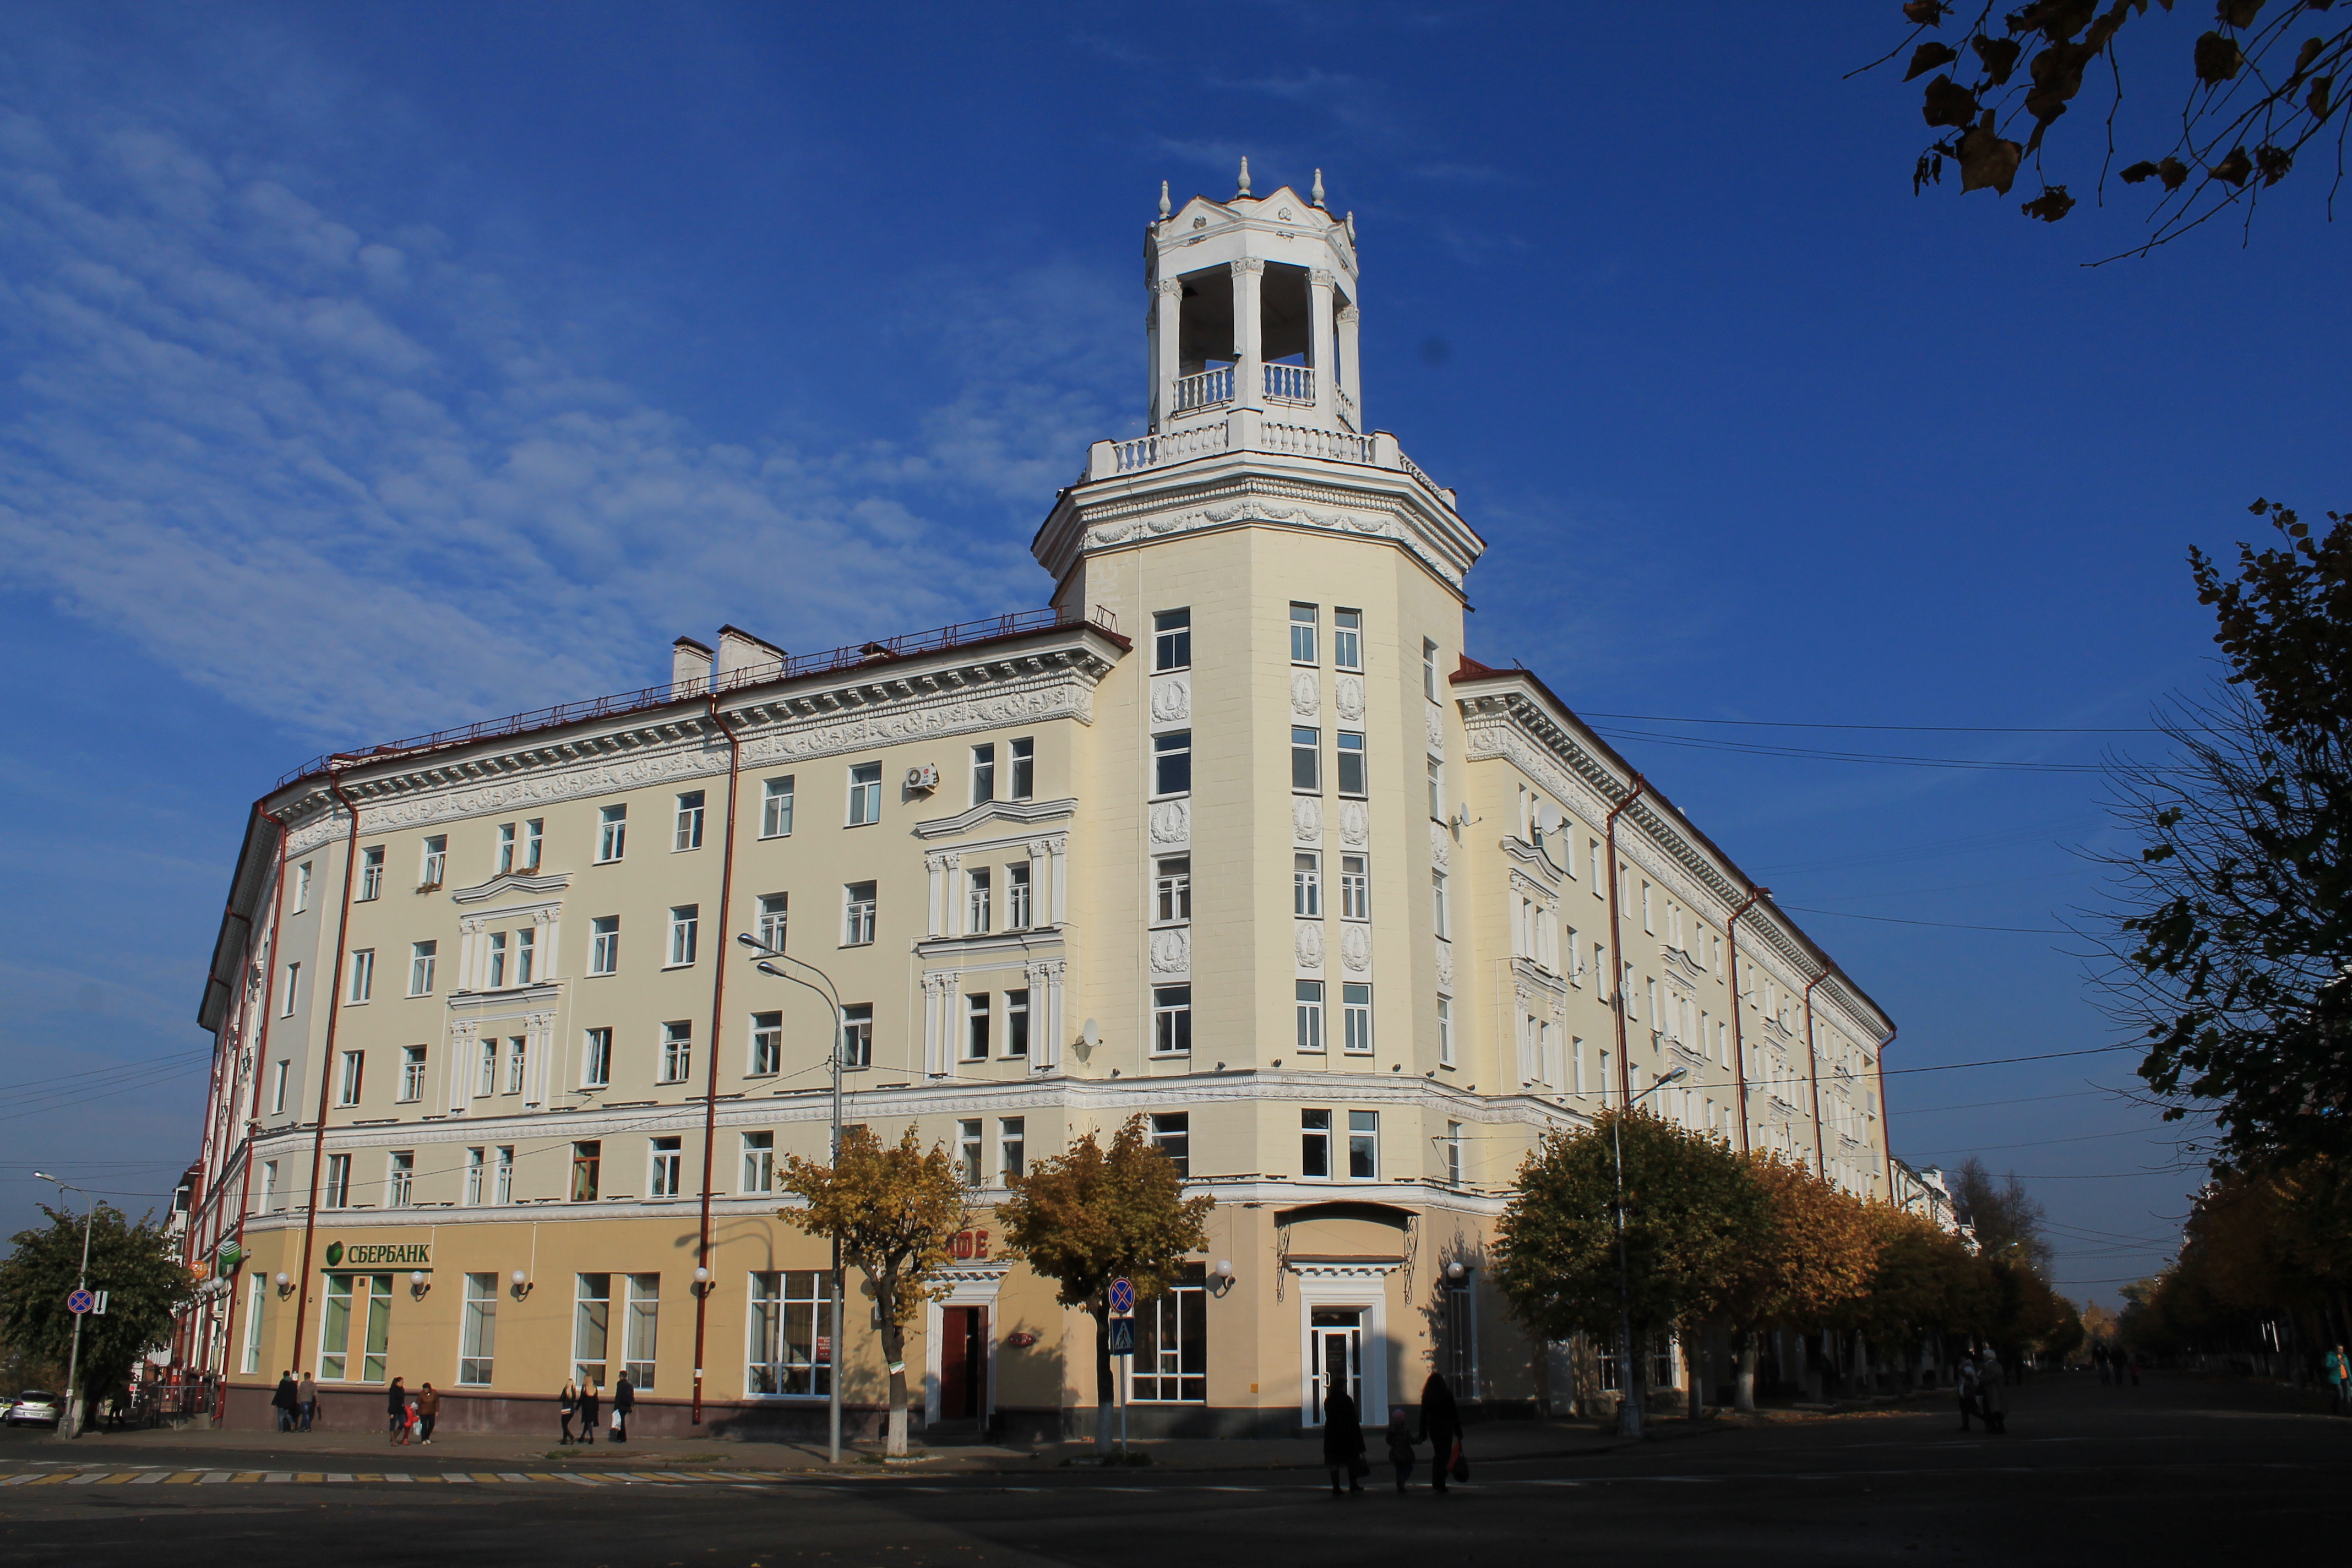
(34, 1407)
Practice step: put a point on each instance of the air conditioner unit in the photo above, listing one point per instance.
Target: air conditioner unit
(923, 777)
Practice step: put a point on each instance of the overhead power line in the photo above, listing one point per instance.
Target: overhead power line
(1942, 925)
(1912, 728)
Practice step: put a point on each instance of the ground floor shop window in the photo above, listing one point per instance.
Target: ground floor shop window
(356, 1300)
(1171, 1343)
(645, 1325)
(592, 1327)
(1461, 1345)
(791, 1351)
(477, 1341)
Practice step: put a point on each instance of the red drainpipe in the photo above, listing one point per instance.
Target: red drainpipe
(260, 1062)
(1617, 945)
(718, 1024)
(1813, 1070)
(326, 1061)
(1738, 1055)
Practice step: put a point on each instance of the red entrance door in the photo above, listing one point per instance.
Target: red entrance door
(964, 1363)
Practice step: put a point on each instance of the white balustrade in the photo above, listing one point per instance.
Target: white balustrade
(1307, 441)
(1202, 391)
(1290, 383)
(1172, 447)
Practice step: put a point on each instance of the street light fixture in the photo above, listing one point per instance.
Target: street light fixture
(73, 1364)
(1629, 1407)
(764, 960)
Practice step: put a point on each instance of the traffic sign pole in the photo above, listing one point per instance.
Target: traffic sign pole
(81, 1290)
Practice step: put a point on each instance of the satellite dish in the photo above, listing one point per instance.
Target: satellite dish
(1091, 1033)
(1549, 820)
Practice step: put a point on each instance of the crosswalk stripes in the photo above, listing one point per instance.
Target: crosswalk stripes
(390, 1478)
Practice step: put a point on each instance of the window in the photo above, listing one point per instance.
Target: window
(1172, 762)
(478, 1340)
(1302, 634)
(1307, 884)
(587, 1163)
(1356, 1018)
(1315, 1144)
(970, 1147)
(688, 829)
(596, 1059)
(857, 914)
(677, 1052)
(420, 967)
(767, 1044)
(252, 1356)
(1018, 907)
(1364, 1146)
(983, 774)
(371, 874)
(592, 1324)
(775, 910)
(1305, 760)
(1453, 1153)
(1446, 1031)
(864, 793)
(363, 975)
(301, 887)
(791, 1352)
(1172, 1135)
(278, 1073)
(1355, 888)
(1439, 913)
(645, 1329)
(857, 1035)
(1648, 926)
(526, 954)
(1592, 851)
(474, 1170)
(1022, 756)
(516, 1047)
(1171, 1020)
(611, 833)
(1351, 763)
(339, 1181)
(399, 1174)
(412, 1073)
(776, 808)
(437, 860)
(1576, 1057)
(347, 1093)
(1011, 1139)
(1172, 639)
(1310, 1016)
(367, 1297)
(503, 1191)
(1016, 1023)
(1348, 639)
(269, 1186)
(1171, 888)
(1458, 1338)
(293, 983)
(506, 853)
(759, 1162)
(1436, 790)
(976, 1012)
(605, 945)
(665, 1167)
(534, 835)
(685, 925)
(1171, 1343)
(486, 1079)
(1429, 670)
(977, 912)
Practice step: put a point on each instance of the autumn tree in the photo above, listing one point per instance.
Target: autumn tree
(2262, 84)
(2005, 1219)
(1926, 1282)
(1817, 1252)
(137, 1265)
(894, 1211)
(1692, 1208)
(1091, 1215)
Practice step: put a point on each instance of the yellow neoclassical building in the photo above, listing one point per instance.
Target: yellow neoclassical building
(1232, 836)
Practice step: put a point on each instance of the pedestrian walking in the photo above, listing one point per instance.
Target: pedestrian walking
(624, 1399)
(428, 1409)
(307, 1396)
(2338, 1368)
(566, 1404)
(1400, 1446)
(2136, 1361)
(1992, 1399)
(2099, 1359)
(1968, 1390)
(286, 1402)
(1343, 1442)
(1441, 1428)
(395, 1405)
(589, 1404)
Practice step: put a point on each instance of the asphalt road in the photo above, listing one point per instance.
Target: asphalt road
(2180, 1470)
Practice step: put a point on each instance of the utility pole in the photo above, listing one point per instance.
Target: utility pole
(73, 1364)
(1629, 1404)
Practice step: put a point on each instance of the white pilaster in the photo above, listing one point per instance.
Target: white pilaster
(1249, 336)
(1167, 353)
(1318, 309)
(1351, 374)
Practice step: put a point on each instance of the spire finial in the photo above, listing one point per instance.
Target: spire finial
(1318, 187)
(1245, 189)
(1164, 209)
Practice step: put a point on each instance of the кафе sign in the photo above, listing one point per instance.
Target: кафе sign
(380, 1254)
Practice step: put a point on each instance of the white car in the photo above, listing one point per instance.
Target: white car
(34, 1407)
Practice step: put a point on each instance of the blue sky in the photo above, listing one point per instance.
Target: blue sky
(369, 369)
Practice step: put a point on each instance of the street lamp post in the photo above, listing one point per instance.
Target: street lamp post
(833, 999)
(73, 1364)
(1629, 1407)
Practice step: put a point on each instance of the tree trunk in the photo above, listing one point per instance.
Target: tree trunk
(1746, 1397)
(1099, 1310)
(894, 1356)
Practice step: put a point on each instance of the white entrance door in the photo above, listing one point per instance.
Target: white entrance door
(1335, 1339)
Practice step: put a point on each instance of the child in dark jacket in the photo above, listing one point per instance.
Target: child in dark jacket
(1400, 1446)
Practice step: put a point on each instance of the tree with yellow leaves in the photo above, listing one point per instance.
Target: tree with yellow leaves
(1817, 1254)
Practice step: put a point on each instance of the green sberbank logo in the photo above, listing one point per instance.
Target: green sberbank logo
(380, 1254)
(334, 1255)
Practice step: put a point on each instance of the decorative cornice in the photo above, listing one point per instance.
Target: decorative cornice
(964, 821)
(511, 882)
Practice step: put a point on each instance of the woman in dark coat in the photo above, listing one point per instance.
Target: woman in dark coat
(589, 1403)
(566, 1402)
(1441, 1428)
(624, 1399)
(395, 1404)
(1343, 1440)
(283, 1403)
